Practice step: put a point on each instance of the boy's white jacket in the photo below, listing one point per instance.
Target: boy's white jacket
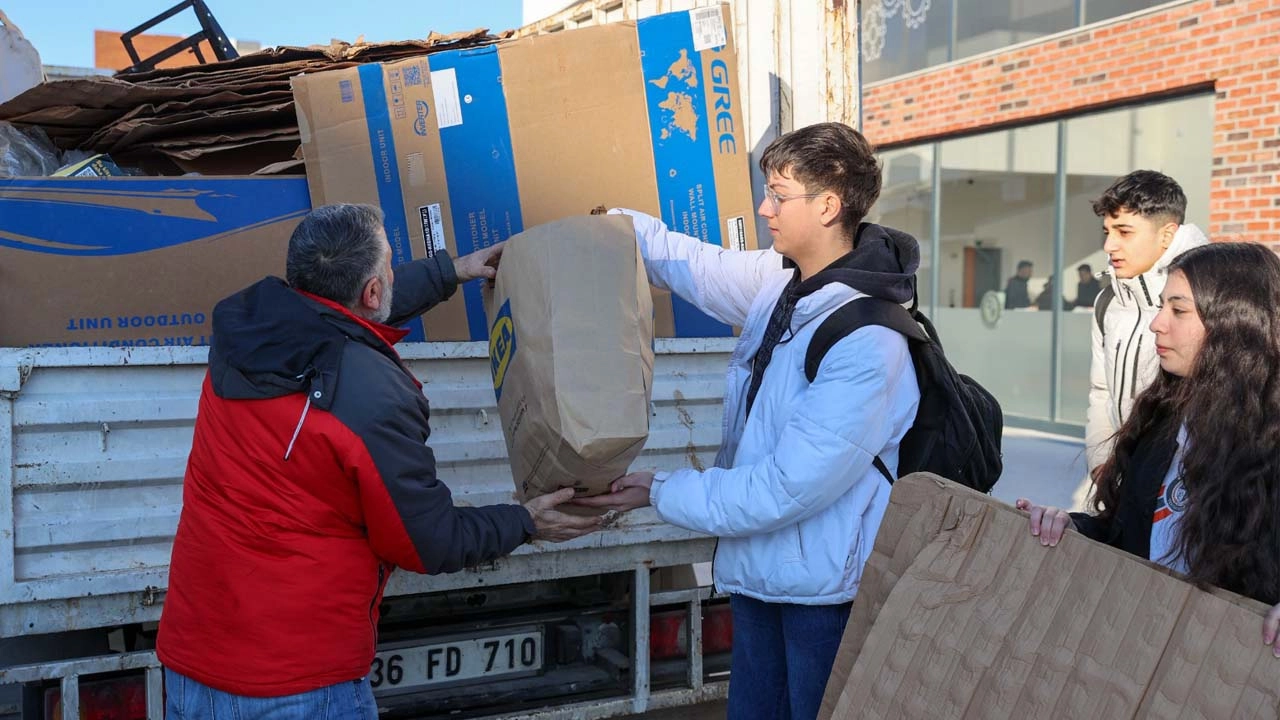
(793, 494)
(1124, 356)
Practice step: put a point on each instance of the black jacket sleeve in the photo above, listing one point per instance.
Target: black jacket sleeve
(421, 285)
(409, 513)
(1092, 526)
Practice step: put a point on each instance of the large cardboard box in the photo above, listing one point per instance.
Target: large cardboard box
(465, 148)
(962, 614)
(120, 262)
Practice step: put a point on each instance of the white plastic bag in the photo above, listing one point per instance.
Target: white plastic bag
(20, 67)
(26, 152)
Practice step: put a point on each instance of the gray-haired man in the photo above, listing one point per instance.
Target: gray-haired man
(310, 480)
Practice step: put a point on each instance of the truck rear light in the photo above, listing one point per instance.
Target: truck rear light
(669, 636)
(717, 629)
(121, 698)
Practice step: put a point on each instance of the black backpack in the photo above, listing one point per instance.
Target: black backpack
(956, 433)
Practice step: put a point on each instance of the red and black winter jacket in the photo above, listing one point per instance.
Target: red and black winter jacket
(309, 480)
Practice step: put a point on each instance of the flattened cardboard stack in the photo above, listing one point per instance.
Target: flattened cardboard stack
(142, 261)
(231, 117)
(962, 614)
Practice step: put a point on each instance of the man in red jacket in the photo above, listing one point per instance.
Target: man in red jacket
(310, 480)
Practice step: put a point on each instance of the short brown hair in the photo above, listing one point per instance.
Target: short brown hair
(1146, 193)
(829, 157)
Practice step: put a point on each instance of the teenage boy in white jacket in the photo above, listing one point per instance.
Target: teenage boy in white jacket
(793, 496)
(1143, 216)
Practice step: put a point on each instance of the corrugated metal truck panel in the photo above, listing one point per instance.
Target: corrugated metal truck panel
(96, 441)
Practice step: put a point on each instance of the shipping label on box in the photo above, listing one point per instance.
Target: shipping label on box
(124, 262)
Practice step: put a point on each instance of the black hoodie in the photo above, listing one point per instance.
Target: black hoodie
(882, 264)
(271, 341)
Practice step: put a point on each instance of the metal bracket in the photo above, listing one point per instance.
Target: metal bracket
(14, 376)
(210, 32)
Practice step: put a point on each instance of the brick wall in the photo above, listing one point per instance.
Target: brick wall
(1231, 45)
(109, 52)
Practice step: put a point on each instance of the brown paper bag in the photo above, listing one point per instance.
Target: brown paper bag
(571, 350)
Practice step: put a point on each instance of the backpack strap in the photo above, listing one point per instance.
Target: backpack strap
(1100, 306)
(884, 469)
(860, 313)
(852, 316)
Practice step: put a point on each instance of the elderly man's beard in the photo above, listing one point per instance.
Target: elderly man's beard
(383, 313)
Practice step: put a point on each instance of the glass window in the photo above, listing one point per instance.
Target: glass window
(997, 200)
(996, 262)
(983, 25)
(906, 203)
(1097, 10)
(1173, 137)
(902, 36)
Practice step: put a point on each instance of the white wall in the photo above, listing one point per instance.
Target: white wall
(534, 10)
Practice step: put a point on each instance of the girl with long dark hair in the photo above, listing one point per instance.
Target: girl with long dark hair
(1194, 480)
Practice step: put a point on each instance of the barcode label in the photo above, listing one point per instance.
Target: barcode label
(444, 85)
(432, 228)
(348, 92)
(413, 76)
(708, 28)
(737, 227)
(417, 170)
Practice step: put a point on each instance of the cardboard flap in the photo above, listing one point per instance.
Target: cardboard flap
(221, 107)
(961, 613)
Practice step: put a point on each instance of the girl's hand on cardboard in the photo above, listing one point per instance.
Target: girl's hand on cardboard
(1047, 523)
(1271, 630)
(626, 493)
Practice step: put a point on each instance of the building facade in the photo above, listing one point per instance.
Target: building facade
(1000, 120)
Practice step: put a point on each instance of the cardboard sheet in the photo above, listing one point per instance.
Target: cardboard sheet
(962, 614)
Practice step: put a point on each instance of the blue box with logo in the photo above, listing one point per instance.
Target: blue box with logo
(462, 149)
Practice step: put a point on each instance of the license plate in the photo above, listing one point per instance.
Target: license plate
(457, 660)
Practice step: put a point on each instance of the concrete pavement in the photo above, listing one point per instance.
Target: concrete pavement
(1046, 469)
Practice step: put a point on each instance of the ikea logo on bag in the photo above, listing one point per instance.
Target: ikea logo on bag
(502, 346)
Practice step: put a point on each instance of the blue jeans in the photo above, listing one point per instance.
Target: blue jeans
(187, 699)
(782, 656)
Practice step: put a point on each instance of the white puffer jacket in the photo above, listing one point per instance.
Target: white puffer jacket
(794, 496)
(1124, 348)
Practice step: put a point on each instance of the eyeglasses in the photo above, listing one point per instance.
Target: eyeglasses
(776, 198)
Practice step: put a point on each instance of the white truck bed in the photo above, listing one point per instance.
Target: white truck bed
(94, 442)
